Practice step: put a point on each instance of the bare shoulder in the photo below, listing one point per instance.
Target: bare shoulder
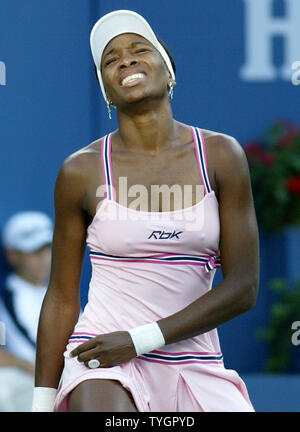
(76, 170)
(224, 152)
(222, 144)
(78, 162)
(220, 147)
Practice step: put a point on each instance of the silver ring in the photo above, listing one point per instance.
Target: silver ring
(93, 364)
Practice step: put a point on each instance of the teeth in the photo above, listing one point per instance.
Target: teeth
(132, 78)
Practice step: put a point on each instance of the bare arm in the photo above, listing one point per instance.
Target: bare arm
(239, 249)
(61, 306)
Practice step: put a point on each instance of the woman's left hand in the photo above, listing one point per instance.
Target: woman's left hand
(111, 349)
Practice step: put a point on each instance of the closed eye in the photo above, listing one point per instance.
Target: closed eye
(110, 61)
(141, 50)
(113, 59)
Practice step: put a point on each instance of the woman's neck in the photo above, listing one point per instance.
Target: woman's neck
(150, 132)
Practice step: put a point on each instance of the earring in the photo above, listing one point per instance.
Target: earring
(171, 87)
(108, 109)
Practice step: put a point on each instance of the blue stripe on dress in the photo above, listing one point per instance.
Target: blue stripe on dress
(202, 160)
(107, 168)
(182, 358)
(210, 262)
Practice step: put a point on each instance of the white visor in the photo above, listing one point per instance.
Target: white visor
(119, 22)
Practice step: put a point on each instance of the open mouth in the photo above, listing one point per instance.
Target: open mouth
(133, 80)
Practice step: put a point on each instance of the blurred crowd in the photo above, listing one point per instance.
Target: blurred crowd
(26, 244)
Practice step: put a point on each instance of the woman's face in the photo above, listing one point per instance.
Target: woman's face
(32, 266)
(133, 70)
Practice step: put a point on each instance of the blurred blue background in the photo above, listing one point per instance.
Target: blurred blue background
(51, 106)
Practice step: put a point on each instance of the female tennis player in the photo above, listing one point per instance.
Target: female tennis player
(147, 339)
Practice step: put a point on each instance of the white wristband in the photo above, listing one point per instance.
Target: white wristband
(146, 338)
(43, 399)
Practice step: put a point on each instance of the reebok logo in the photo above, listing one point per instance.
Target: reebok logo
(163, 235)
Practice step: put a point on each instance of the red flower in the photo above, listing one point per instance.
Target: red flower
(255, 152)
(289, 138)
(253, 147)
(268, 159)
(293, 185)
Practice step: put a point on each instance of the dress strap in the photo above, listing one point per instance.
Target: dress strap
(107, 167)
(201, 158)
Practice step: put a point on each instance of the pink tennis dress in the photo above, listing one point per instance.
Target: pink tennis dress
(145, 267)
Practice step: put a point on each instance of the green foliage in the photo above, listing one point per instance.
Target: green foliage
(278, 335)
(274, 164)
